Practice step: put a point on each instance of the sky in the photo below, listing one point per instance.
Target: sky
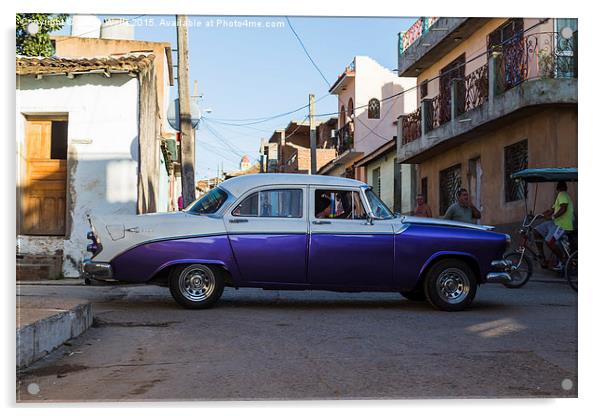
(254, 67)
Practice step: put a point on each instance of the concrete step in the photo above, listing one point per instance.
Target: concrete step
(44, 324)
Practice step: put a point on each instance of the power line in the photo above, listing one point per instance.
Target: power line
(259, 120)
(306, 52)
(230, 145)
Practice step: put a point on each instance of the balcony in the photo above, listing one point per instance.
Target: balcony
(344, 138)
(539, 69)
(429, 39)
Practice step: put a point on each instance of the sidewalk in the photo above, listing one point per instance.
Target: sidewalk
(44, 324)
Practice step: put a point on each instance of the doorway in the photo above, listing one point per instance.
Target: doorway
(44, 186)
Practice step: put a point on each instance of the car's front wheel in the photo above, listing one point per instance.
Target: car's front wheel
(450, 285)
(196, 286)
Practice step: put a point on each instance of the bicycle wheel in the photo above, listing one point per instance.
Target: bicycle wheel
(523, 269)
(570, 271)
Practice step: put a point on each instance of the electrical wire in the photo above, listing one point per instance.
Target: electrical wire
(306, 52)
(259, 120)
(227, 142)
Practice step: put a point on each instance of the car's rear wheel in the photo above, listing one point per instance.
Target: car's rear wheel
(196, 286)
(450, 285)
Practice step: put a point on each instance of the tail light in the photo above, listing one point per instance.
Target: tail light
(95, 246)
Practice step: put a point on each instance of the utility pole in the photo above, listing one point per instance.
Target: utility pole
(187, 147)
(312, 133)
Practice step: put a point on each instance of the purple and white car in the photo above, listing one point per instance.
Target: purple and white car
(296, 232)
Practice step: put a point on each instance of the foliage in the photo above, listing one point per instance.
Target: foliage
(37, 44)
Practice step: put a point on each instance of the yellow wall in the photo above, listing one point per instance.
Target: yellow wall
(552, 142)
(474, 47)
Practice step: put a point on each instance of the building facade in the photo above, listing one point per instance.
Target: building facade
(494, 96)
(288, 150)
(370, 99)
(88, 140)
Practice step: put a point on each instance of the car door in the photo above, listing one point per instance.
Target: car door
(346, 250)
(268, 232)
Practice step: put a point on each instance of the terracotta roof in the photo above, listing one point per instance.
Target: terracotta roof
(27, 65)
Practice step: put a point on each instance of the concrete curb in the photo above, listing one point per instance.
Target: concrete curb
(39, 338)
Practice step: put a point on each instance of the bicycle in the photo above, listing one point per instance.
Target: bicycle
(570, 271)
(522, 265)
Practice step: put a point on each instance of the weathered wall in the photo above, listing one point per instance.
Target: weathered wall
(474, 48)
(102, 151)
(69, 46)
(149, 142)
(552, 142)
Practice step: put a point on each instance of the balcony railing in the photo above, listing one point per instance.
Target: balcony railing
(344, 138)
(473, 90)
(421, 26)
(539, 55)
(411, 127)
(536, 56)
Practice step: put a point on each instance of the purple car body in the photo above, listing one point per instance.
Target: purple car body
(295, 249)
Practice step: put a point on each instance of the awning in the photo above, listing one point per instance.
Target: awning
(546, 175)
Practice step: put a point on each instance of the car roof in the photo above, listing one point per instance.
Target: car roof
(238, 185)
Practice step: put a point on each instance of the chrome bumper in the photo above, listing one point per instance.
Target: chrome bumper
(501, 274)
(96, 270)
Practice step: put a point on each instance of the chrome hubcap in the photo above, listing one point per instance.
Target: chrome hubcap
(453, 285)
(197, 283)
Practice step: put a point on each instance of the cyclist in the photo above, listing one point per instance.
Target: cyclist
(552, 230)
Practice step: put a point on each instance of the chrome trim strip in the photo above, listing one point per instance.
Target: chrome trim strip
(445, 223)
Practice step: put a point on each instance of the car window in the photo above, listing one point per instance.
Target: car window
(281, 203)
(208, 203)
(338, 204)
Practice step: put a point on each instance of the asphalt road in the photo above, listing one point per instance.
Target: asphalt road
(311, 345)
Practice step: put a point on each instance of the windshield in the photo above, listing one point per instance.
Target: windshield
(378, 207)
(208, 203)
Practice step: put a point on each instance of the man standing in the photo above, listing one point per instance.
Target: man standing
(552, 230)
(463, 210)
(422, 208)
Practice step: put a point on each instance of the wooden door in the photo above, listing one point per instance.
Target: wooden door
(44, 188)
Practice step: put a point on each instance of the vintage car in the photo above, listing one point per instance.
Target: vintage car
(295, 232)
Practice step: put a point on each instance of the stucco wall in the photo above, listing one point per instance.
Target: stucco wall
(102, 150)
(552, 142)
(69, 46)
(474, 48)
(374, 81)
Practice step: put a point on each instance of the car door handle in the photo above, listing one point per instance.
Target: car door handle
(320, 222)
(238, 220)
